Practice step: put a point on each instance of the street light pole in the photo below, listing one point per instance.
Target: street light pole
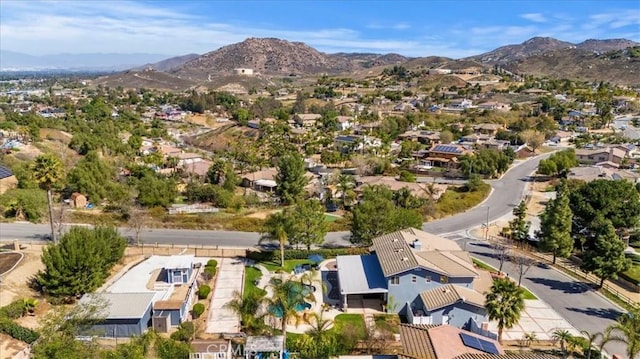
(487, 225)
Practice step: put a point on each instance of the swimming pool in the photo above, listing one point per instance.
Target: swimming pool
(276, 310)
(303, 289)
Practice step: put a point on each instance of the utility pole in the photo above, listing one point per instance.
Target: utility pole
(487, 225)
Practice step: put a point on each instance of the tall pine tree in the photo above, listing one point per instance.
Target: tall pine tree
(606, 257)
(555, 226)
(290, 178)
(518, 226)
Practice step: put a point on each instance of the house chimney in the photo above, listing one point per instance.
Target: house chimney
(417, 245)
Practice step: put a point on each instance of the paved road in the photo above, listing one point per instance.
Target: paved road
(574, 300)
(507, 193)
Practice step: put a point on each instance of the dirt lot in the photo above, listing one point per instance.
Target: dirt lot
(9, 347)
(14, 284)
(8, 260)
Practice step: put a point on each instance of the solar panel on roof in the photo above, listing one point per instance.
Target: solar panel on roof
(479, 344)
(447, 149)
(5, 172)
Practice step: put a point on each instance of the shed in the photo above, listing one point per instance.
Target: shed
(118, 314)
(78, 200)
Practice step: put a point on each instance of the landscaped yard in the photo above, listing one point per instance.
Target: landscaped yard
(484, 266)
(633, 273)
(388, 322)
(455, 200)
(355, 322)
(251, 276)
(8, 260)
(289, 264)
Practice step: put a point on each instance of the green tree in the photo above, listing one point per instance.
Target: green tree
(533, 138)
(92, 176)
(171, 349)
(48, 172)
(563, 337)
(288, 296)
(319, 341)
(518, 226)
(606, 257)
(24, 204)
(248, 308)
(291, 178)
(80, 262)
(154, 191)
(345, 183)
(309, 224)
(616, 201)
(377, 214)
(627, 330)
(277, 228)
(555, 226)
(504, 304)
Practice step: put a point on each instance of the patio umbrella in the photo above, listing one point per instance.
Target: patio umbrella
(315, 258)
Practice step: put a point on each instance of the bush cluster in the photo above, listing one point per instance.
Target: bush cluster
(204, 291)
(13, 310)
(198, 309)
(18, 332)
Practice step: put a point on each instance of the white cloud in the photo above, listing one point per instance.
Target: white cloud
(397, 26)
(534, 16)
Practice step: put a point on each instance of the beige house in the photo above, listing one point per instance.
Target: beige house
(608, 155)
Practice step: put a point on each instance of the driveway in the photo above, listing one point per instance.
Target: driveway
(230, 279)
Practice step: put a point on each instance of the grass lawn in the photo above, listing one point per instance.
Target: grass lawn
(252, 275)
(484, 266)
(455, 200)
(289, 264)
(389, 322)
(355, 321)
(633, 273)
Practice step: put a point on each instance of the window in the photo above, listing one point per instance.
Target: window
(427, 279)
(414, 279)
(395, 280)
(444, 279)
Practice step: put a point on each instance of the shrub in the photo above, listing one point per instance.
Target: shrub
(212, 263)
(18, 332)
(209, 272)
(204, 291)
(198, 309)
(406, 176)
(14, 310)
(184, 333)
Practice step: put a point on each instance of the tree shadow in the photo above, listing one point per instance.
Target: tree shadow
(492, 255)
(606, 313)
(565, 287)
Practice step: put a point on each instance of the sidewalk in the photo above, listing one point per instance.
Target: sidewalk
(230, 279)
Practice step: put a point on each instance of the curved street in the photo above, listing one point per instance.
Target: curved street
(576, 301)
(507, 192)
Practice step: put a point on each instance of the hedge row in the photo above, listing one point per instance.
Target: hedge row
(204, 291)
(13, 310)
(266, 256)
(18, 332)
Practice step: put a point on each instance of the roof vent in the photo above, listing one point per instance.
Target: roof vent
(399, 250)
(394, 240)
(417, 245)
(404, 259)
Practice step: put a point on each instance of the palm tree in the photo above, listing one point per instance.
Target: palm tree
(563, 337)
(319, 341)
(47, 171)
(529, 338)
(345, 182)
(504, 303)
(277, 229)
(627, 330)
(288, 296)
(248, 308)
(592, 338)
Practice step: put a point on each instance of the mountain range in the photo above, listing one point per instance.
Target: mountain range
(17, 61)
(588, 60)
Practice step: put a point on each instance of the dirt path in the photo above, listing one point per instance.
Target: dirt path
(15, 283)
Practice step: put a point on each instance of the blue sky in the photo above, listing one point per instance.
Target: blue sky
(413, 28)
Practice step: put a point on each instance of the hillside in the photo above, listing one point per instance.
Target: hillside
(145, 79)
(169, 64)
(266, 56)
(622, 66)
(606, 45)
(533, 46)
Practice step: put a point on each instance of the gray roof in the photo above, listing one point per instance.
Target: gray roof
(449, 294)
(118, 305)
(449, 263)
(360, 275)
(5, 172)
(396, 255)
(264, 344)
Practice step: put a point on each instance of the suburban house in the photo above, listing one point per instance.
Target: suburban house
(199, 168)
(265, 180)
(448, 342)
(188, 158)
(423, 276)
(7, 179)
(461, 103)
(306, 119)
(117, 314)
(592, 173)
(344, 122)
(444, 155)
(417, 189)
(607, 155)
(157, 293)
(488, 128)
(425, 137)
